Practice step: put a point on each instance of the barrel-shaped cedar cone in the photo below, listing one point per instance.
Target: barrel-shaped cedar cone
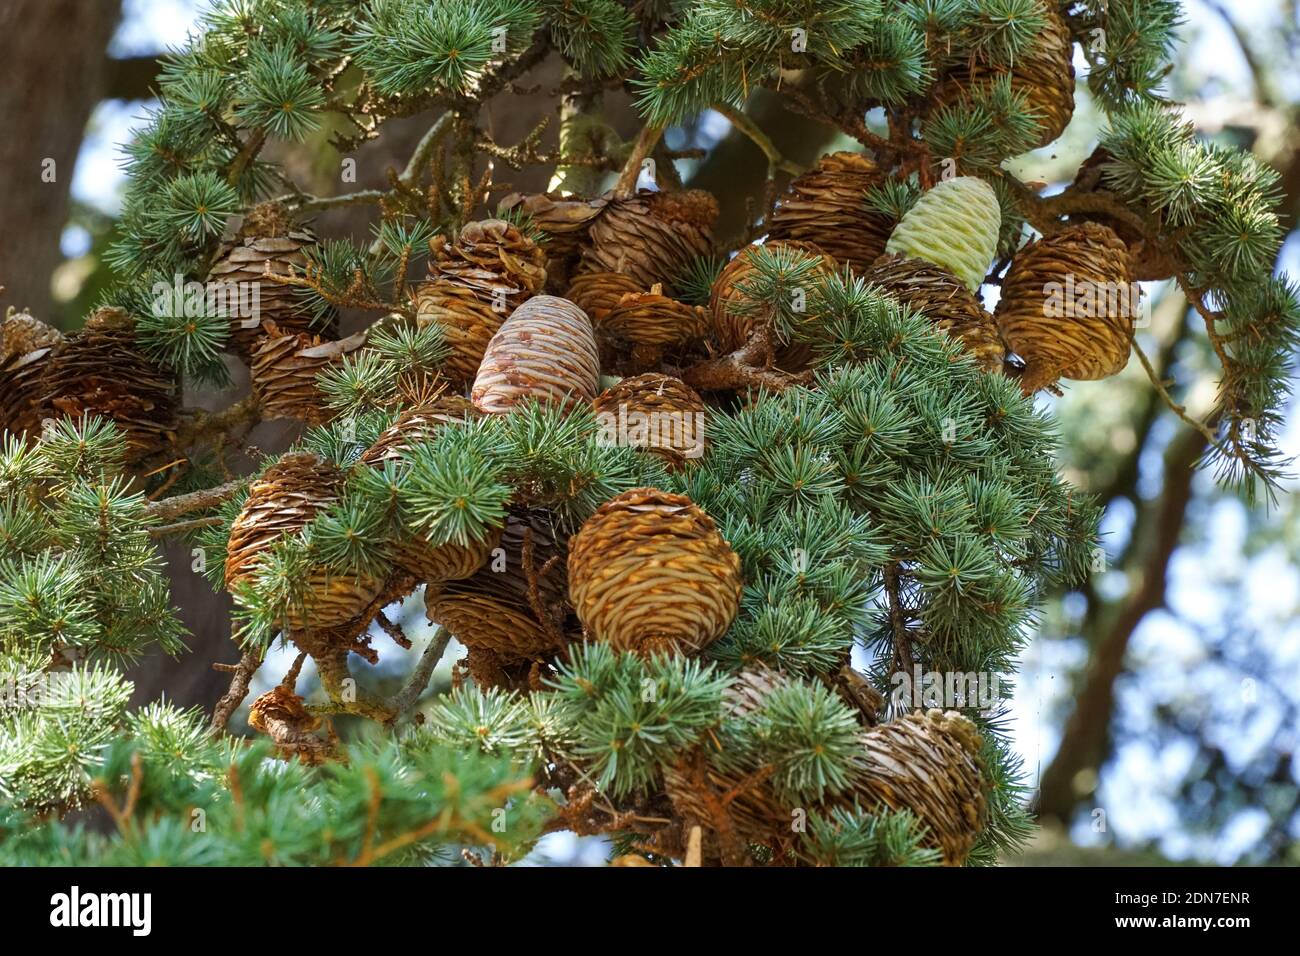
(656, 412)
(1068, 306)
(649, 572)
(474, 284)
(545, 352)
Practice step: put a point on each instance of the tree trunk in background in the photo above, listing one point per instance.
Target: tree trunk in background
(1085, 739)
(53, 53)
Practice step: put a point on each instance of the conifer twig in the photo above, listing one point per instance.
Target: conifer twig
(747, 367)
(406, 698)
(177, 505)
(230, 701)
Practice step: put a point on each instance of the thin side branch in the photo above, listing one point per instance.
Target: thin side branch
(775, 161)
(405, 699)
(169, 508)
(229, 703)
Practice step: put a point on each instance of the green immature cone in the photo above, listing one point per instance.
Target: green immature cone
(954, 225)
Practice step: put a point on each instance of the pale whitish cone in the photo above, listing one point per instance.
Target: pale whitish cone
(649, 571)
(545, 351)
(1060, 336)
(954, 225)
(928, 763)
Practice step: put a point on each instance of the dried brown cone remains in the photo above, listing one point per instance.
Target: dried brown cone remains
(943, 298)
(731, 330)
(928, 763)
(651, 236)
(101, 371)
(268, 239)
(25, 345)
(487, 668)
(827, 206)
(545, 351)
(1044, 75)
(515, 606)
(650, 572)
(284, 369)
(1085, 335)
(474, 283)
(282, 501)
(660, 413)
(563, 221)
(282, 715)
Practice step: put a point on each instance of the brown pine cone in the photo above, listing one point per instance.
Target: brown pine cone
(1069, 306)
(565, 224)
(657, 412)
(282, 501)
(599, 293)
(1045, 75)
(545, 351)
(827, 206)
(939, 295)
(428, 563)
(736, 812)
(419, 424)
(652, 319)
(474, 283)
(651, 236)
(101, 371)
(25, 345)
(268, 238)
(1151, 261)
(928, 763)
(649, 572)
(284, 369)
(517, 604)
(731, 329)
